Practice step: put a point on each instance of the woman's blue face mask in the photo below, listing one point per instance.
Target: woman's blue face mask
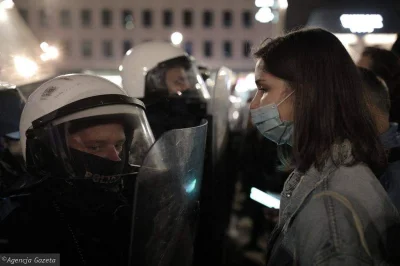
(267, 120)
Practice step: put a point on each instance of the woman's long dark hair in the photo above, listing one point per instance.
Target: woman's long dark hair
(329, 105)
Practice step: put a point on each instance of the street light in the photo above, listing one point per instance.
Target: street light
(264, 3)
(361, 23)
(25, 66)
(44, 46)
(264, 15)
(176, 38)
(7, 4)
(49, 52)
(4, 6)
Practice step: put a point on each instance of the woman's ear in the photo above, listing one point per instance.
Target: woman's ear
(287, 89)
(288, 93)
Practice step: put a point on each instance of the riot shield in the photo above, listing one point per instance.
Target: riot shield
(214, 212)
(238, 115)
(220, 104)
(166, 199)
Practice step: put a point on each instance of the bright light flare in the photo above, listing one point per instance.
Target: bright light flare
(283, 4)
(235, 115)
(379, 39)
(3, 15)
(347, 38)
(234, 99)
(176, 38)
(7, 4)
(264, 3)
(49, 52)
(53, 52)
(25, 67)
(44, 46)
(264, 198)
(361, 23)
(264, 15)
(116, 79)
(246, 84)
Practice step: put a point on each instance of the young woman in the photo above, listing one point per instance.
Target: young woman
(333, 209)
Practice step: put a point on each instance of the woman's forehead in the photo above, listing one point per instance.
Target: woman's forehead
(264, 77)
(259, 70)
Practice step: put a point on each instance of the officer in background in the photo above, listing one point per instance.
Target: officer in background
(168, 81)
(11, 161)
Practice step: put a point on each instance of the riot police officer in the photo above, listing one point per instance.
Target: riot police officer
(176, 96)
(168, 82)
(83, 140)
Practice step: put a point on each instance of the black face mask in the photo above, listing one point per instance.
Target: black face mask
(105, 172)
(99, 185)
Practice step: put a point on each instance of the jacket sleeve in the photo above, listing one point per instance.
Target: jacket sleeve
(329, 232)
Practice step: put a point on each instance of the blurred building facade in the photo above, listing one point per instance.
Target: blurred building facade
(95, 34)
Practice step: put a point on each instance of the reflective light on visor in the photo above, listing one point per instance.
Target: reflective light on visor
(191, 186)
(264, 198)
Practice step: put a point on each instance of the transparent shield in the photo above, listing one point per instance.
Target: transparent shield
(166, 198)
(220, 107)
(238, 115)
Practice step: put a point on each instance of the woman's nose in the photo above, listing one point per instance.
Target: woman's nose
(255, 103)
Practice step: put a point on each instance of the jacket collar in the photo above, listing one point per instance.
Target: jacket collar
(299, 185)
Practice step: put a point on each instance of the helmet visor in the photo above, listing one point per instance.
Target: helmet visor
(102, 143)
(178, 77)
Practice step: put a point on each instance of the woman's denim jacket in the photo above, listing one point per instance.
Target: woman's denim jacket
(339, 216)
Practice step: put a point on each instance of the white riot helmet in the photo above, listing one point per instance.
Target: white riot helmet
(154, 69)
(82, 126)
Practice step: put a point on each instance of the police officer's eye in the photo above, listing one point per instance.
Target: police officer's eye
(179, 81)
(119, 147)
(94, 148)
